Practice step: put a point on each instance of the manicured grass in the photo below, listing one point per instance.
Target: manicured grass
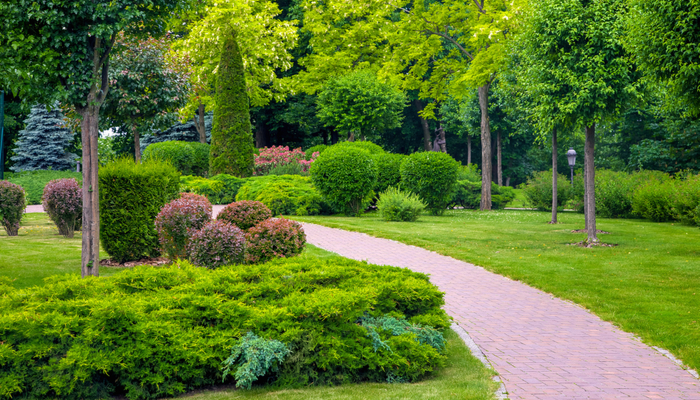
(463, 377)
(519, 201)
(33, 182)
(648, 285)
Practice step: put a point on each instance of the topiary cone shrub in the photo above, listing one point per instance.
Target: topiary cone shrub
(244, 214)
(177, 221)
(274, 238)
(217, 244)
(345, 175)
(197, 197)
(432, 176)
(63, 202)
(12, 205)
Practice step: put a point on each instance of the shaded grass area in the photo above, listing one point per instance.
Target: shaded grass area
(519, 201)
(648, 285)
(462, 377)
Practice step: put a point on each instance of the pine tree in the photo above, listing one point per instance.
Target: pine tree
(43, 143)
(232, 146)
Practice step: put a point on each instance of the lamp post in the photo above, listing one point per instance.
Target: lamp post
(571, 155)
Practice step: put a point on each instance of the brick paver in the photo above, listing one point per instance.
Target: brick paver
(542, 347)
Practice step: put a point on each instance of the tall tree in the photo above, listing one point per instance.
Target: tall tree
(43, 144)
(232, 146)
(575, 64)
(60, 51)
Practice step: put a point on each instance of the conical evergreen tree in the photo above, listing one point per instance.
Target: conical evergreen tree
(232, 146)
(42, 144)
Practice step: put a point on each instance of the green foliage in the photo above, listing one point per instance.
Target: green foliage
(345, 176)
(254, 357)
(432, 176)
(395, 205)
(686, 200)
(190, 158)
(285, 195)
(469, 173)
(654, 201)
(232, 146)
(131, 195)
(663, 199)
(399, 326)
(468, 195)
(12, 205)
(538, 190)
(388, 170)
(42, 144)
(614, 191)
(158, 332)
(370, 147)
(320, 148)
(292, 168)
(219, 189)
(34, 182)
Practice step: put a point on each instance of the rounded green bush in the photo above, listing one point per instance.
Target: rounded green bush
(345, 176)
(12, 205)
(190, 158)
(388, 170)
(395, 205)
(285, 195)
(538, 190)
(370, 147)
(432, 176)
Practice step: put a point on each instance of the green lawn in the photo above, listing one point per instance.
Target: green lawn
(648, 285)
(519, 201)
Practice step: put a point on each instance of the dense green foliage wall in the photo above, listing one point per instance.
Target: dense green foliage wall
(34, 182)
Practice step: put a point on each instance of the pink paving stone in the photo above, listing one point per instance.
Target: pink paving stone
(526, 333)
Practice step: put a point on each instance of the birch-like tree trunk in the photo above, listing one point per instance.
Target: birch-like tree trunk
(590, 184)
(486, 170)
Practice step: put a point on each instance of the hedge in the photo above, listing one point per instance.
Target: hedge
(285, 195)
(34, 182)
(219, 189)
(190, 158)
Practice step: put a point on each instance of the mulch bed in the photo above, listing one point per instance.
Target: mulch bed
(108, 262)
(585, 231)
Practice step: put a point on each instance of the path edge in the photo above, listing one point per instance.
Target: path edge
(501, 393)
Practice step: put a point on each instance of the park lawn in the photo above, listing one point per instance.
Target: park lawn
(463, 377)
(648, 285)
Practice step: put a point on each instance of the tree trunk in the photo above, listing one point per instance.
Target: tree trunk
(199, 124)
(424, 124)
(261, 135)
(334, 136)
(590, 184)
(486, 170)
(91, 201)
(137, 145)
(554, 176)
(499, 160)
(585, 186)
(469, 149)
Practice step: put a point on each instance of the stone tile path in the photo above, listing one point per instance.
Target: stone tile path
(542, 347)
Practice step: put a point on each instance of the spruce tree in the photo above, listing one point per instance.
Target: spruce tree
(43, 143)
(232, 146)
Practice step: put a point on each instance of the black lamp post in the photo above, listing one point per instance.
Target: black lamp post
(571, 155)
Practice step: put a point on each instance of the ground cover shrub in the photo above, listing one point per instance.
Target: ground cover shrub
(538, 190)
(34, 182)
(432, 176)
(12, 205)
(63, 202)
(131, 196)
(190, 158)
(388, 170)
(157, 332)
(219, 189)
(468, 195)
(345, 176)
(216, 244)
(396, 205)
(274, 238)
(285, 195)
(253, 357)
(244, 214)
(370, 147)
(177, 221)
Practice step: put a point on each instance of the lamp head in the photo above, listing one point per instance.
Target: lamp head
(571, 155)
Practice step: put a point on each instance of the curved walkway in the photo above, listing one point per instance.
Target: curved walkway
(542, 347)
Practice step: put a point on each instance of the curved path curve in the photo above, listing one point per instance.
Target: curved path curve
(542, 347)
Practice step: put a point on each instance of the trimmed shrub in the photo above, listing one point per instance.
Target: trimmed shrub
(197, 197)
(34, 182)
(177, 221)
(654, 201)
(686, 199)
(319, 148)
(395, 205)
(388, 170)
(149, 333)
(218, 243)
(244, 214)
(131, 195)
(288, 169)
(538, 190)
(285, 195)
(12, 205)
(190, 158)
(274, 238)
(432, 176)
(468, 195)
(345, 176)
(370, 147)
(63, 202)
(230, 189)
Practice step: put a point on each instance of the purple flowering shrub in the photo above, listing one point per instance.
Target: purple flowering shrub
(245, 214)
(12, 205)
(217, 243)
(177, 221)
(197, 197)
(274, 238)
(63, 202)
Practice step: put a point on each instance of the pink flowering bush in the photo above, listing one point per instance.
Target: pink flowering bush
(277, 156)
(245, 214)
(218, 243)
(197, 197)
(12, 205)
(274, 238)
(177, 222)
(63, 202)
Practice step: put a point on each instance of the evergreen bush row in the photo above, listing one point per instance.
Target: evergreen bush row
(190, 158)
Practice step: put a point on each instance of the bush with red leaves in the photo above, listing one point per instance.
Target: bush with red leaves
(196, 197)
(245, 214)
(63, 202)
(274, 238)
(12, 205)
(218, 243)
(177, 222)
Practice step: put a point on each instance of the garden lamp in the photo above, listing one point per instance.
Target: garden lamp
(571, 155)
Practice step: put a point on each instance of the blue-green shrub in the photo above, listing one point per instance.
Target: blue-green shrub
(285, 195)
(432, 176)
(190, 158)
(388, 170)
(253, 357)
(395, 205)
